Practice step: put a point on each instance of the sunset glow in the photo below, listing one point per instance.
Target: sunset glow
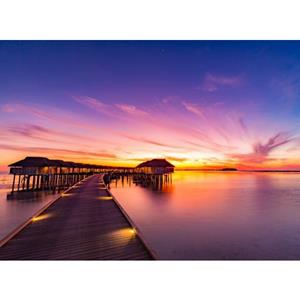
(197, 104)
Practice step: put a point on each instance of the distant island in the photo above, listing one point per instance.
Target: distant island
(229, 169)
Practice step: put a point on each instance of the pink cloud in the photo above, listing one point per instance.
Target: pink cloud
(174, 128)
(37, 132)
(152, 142)
(120, 111)
(57, 151)
(261, 151)
(94, 104)
(193, 108)
(46, 113)
(131, 109)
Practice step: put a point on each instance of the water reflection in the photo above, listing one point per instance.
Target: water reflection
(156, 183)
(17, 207)
(217, 215)
(28, 196)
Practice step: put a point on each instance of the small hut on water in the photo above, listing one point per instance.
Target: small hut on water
(155, 166)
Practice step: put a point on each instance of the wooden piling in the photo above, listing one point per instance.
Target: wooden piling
(19, 181)
(13, 185)
(41, 173)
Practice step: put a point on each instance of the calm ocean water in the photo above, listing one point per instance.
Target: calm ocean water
(218, 215)
(16, 209)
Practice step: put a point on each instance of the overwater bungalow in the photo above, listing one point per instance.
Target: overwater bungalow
(30, 166)
(35, 173)
(43, 173)
(33, 165)
(155, 167)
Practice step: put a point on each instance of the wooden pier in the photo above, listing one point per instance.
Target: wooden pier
(40, 173)
(85, 223)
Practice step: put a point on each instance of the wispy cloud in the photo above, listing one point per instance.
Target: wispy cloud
(215, 122)
(261, 151)
(275, 141)
(193, 108)
(58, 151)
(41, 133)
(149, 141)
(94, 104)
(176, 159)
(212, 82)
(30, 131)
(181, 130)
(116, 111)
(243, 125)
(131, 109)
(46, 113)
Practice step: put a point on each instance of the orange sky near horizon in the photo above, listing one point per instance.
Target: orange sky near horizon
(188, 135)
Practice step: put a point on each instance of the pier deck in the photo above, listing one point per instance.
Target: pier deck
(84, 224)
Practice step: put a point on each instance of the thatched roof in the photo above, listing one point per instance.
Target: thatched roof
(157, 162)
(36, 162)
(32, 161)
(56, 163)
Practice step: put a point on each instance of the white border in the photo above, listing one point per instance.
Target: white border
(155, 19)
(149, 280)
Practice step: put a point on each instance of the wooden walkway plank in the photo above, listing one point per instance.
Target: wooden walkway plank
(84, 224)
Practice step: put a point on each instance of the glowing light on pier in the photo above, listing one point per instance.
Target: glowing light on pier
(132, 230)
(66, 194)
(127, 232)
(105, 197)
(41, 217)
(125, 235)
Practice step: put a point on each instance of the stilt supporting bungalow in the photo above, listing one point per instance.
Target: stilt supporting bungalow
(41, 173)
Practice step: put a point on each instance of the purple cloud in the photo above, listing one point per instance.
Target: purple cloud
(57, 151)
(261, 151)
(212, 83)
(193, 108)
(131, 110)
(94, 104)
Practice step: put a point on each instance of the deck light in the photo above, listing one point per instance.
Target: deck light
(105, 197)
(127, 233)
(41, 217)
(131, 230)
(66, 195)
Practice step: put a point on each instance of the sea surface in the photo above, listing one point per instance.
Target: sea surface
(17, 208)
(217, 215)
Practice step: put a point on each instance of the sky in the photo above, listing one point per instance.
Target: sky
(199, 104)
